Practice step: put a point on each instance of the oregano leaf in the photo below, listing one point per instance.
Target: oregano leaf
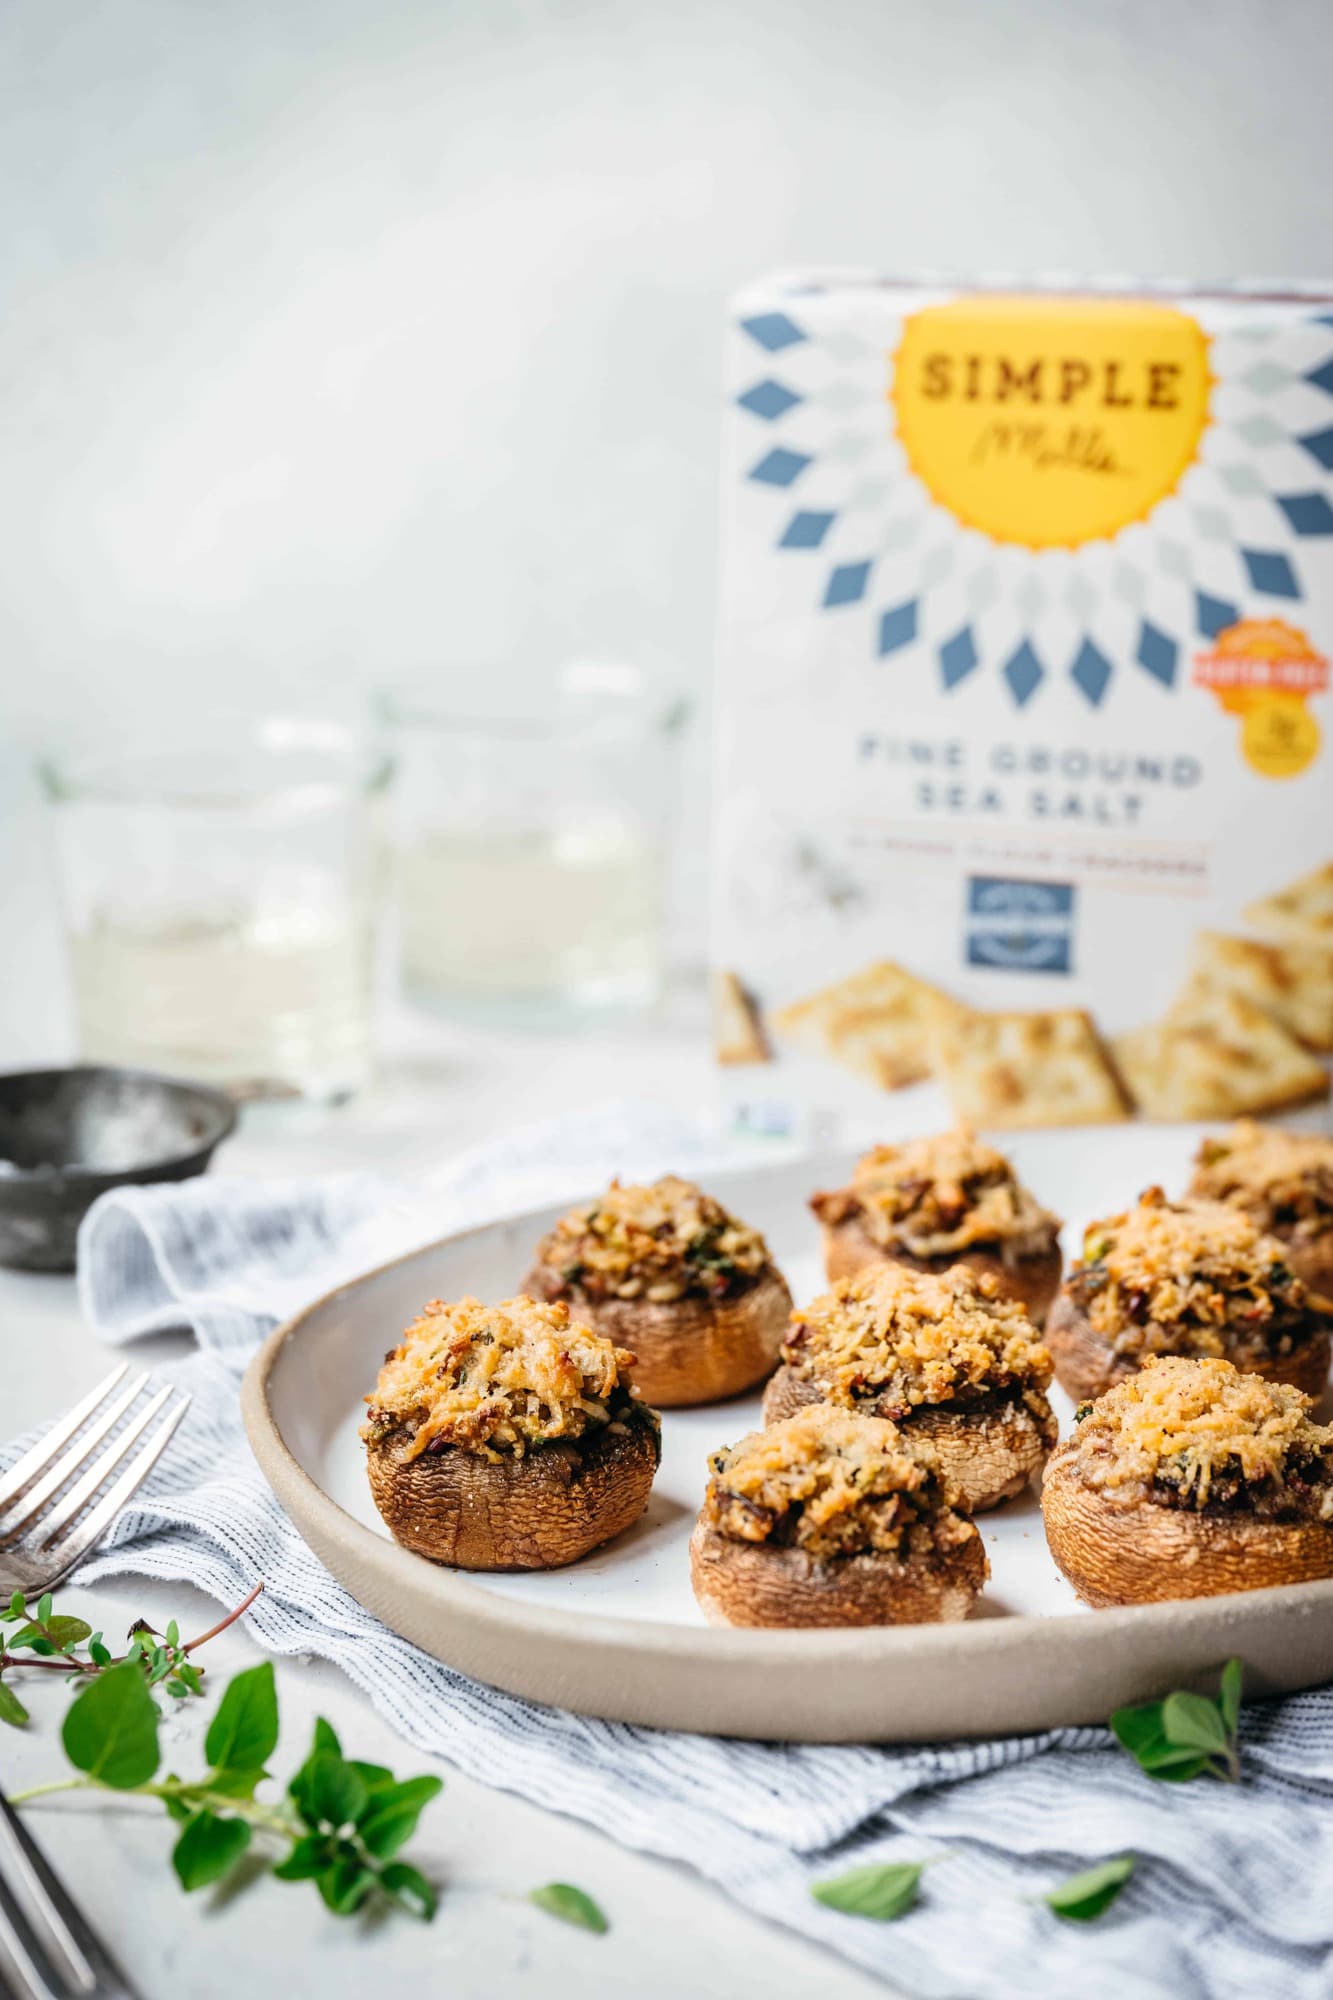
(882, 1892)
(410, 1889)
(208, 1849)
(11, 1708)
(1228, 1695)
(570, 1905)
(111, 1729)
(1192, 1722)
(244, 1733)
(1083, 1897)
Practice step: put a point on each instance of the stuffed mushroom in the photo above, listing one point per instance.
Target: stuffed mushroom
(936, 1202)
(1284, 1182)
(1188, 1277)
(507, 1437)
(1191, 1479)
(946, 1358)
(832, 1519)
(667, 1271)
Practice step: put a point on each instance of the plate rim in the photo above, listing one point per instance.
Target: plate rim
(481, 1620)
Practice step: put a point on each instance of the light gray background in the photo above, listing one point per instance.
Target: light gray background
(344, 339)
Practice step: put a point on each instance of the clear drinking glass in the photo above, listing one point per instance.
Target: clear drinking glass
(529, 855)
(220, 897)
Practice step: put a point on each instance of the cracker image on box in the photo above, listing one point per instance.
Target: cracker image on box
(877, 1021)
(1293, 981)
(1216, 1055)
(1027, 639)
(1303, 911)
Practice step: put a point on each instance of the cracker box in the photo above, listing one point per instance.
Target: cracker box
(1023, 786)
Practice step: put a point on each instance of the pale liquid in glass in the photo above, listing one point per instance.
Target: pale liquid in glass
(275, 999)
(496, 920)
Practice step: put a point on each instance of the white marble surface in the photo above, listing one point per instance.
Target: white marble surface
(671, 1934)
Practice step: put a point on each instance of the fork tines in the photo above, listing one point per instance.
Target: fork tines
(63, 1494)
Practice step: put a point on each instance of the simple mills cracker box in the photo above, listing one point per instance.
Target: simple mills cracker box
(1023, 783)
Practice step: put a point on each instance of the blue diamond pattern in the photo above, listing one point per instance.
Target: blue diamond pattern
(1270, 572)
(897, 627)
(1319, 444)
(773, 331)
(768, 400)
(1309, 513)
(1091, 672)
(958, 656)
(1158, 654)
(847, 584)
(780, 466)
(806, 530)
(1213, 614)
(1024, 673)
(1322, 376)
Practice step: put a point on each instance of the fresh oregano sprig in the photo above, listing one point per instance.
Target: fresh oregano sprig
(341, 1824)
(56, 1643)
(1186, 1735)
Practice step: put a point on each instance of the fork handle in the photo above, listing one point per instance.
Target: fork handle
(110, 1981)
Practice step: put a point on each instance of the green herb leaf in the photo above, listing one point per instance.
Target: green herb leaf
(1083, 1897)
(373, 1776)
(191, 1676)
(235, 1784)
(1228, 1695)
(390, 1819)
(1192, 1722)
(177, 1808)
(172, 1634)
(27, 1635)
(111, 1729)
(346, 1884)
(326, 1738)
(46, 1604)
(571, 1905)
(67, 1632)
(11, 1708)
(883, 1892)
(244, 1733)
(98, 1653)
(310, 1856)
(335, 1792)
(18, 1605)
(409, 1888)
(208, 1849)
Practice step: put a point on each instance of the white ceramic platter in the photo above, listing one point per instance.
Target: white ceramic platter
(619, 1634)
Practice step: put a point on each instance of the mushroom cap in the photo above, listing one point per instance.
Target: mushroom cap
(1138, 1552)
(1033, 1281)
(753, 1583)
(1311, 1258)
(690, 1350)
(1086, 1364)
(989, 1453)
(540, 1511)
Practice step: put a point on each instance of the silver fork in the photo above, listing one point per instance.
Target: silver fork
(53, 1509)
(48, 1949)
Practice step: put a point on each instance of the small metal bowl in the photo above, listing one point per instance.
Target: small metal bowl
(67, 1135)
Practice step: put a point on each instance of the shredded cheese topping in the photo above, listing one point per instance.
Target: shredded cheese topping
(1190, 1432)
(493, 1379)
(939, 1195)
(1190, 1276)
(831, 1484)
(909, 1337)
(656, 1243)
(1282, 1180)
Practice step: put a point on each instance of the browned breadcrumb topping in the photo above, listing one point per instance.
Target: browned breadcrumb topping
(1200, 1435)
(905, 1338)
(1192, 1277)
(934, 1197)
(1282, 1180)
(834, 1485)
(504, 1378)
(657, 1243)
